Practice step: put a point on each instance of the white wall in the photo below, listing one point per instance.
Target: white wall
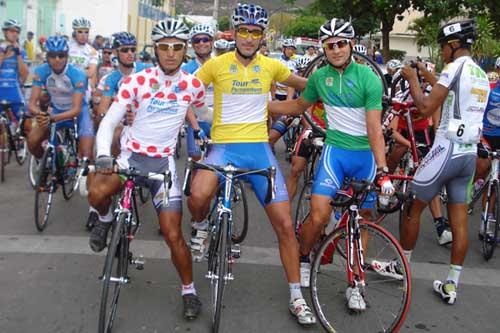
(407, 43)
(106, 16)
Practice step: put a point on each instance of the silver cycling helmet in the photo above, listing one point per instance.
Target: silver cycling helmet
(81, 23)
(394, 64)
(200, 29)
(222, 44)
(360, 49)
(11, 24)
(170, 28)
(336, 28)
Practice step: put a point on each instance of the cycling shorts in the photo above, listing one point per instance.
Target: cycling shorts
(336, 164)
(151, 164)
(192, 147)
(250, 155)
(304, 145)
(280, 125)
(440, 167)
(85, 124)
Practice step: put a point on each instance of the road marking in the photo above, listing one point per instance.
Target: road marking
(150, 249)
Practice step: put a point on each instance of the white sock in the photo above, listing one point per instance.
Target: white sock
(188, 289)
(295, 291)
(203, 225)
(108, 218)
(454, 273)
(407, 254)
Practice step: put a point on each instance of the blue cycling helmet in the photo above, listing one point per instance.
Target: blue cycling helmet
(56, 44)
(250, 14)
(123, 38)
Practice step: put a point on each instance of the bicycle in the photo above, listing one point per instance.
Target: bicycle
(58, 166)
(221, 255)
(11, 138)
(342, 260)
(118, 256)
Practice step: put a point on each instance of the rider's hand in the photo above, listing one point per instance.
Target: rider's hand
(43, 119)
(199, 134)
(408, 72)
(104, 165)
(386, 187)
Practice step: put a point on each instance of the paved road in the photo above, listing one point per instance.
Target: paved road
(48, 281)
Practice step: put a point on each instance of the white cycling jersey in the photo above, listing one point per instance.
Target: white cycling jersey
(160, 103)
(282, 89)
(82, 55)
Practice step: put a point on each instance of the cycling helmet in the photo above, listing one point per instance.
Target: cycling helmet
(336, 28)
(288, 43)
(465, 31)
(56, 44)
(11, 24)
(394, 64)
(302, 63)
(221, 44)
(107, 46)
(360, 49)
(123, 38)
(81, 23)
(199, 29)
(497, 63)
(170, 27)
(250, 14)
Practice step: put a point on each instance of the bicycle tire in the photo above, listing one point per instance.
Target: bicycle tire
(239, 225)
(116, 262)
(329, 279)
(489, 242)
(33, 165)
(178, 146)
(44, 190)
(144, 197)
(4, 146)
(69, 172)
(22, 153)
(219, 269)
(303, 206)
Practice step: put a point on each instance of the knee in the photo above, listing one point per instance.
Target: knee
(97, 194)
(173, 237)
(318, 218)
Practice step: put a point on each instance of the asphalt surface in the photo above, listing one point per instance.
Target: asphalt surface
(49, 281)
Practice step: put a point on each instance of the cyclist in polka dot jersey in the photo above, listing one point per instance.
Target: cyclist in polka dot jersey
(160, 98)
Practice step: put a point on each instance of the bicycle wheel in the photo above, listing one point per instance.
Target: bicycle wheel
(387, 298)
(21, 149)
(218, 266)
(114, 275)
(239, 208)
(44, 191)
(69, 170)
(303, 206)
(489, 241)
(4, 150)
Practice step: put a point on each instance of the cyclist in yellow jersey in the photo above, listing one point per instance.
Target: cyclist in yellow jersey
(242, 80)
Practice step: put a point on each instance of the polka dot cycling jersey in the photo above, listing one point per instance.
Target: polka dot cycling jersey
(160, 103)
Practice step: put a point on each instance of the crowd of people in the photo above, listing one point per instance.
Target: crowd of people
(130, 110)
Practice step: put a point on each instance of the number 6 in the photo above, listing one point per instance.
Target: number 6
(460, 130)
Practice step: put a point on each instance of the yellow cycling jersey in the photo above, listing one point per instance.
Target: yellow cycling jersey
(241, 95)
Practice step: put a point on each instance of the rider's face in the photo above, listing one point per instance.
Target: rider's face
(58, 62)
(247, 40)
(169, 52)
(11, 35)
(340, 52)
(126, 54)
(202, 44)
(82, 35)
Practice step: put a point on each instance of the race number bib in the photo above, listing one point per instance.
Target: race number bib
(464, 132)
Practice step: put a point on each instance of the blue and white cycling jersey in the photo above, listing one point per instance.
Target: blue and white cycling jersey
(491, 119)
(114, 80)
(61, 88)
(10, 85)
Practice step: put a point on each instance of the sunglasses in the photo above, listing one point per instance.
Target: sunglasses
(201, 39)
(340, 44)
(168, 46)
(245, 33)
(60, 55)
(83, 31)
(107, 52)
(127, 49)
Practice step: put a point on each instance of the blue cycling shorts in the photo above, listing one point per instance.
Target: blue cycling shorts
(250, 155)
(280, 125)
(192, 147)
(85, 124)
(336, 164)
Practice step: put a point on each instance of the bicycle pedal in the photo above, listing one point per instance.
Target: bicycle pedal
(138, 262)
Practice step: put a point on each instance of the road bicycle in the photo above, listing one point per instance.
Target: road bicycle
(12, 140)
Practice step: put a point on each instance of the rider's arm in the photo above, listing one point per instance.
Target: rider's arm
(36, 92)
(290, 93)
(375, 136)
(22, 67)
(295, 81)
(294, 107)
(104, 136)
(396, 135)
(77, 102)
(92, 69)
(191, 118)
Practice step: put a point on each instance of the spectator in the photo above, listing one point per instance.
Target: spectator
(29, 46)
(263, 49)
(98, 42)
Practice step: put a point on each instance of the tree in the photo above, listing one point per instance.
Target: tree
(305, 26)
(426, 31)
(224, 23)
(280, 21)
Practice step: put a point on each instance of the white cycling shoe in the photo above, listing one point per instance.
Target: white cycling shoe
(387, 268)
(302, 312)
(355, 300)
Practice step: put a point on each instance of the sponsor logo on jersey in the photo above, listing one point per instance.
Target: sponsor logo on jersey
(432, 155)
(79, 84)
(256, 68)
(329, 81)
(328, 183)
(482, 95)
(163, 106)
(252, 87)
(233, 68)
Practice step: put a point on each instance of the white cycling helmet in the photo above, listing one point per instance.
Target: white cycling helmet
(200, 29)
(336, 28)
(250, 14)
(497, 63)
(170, 28)
(394, 64)
(288, 43)
(221, 44)
(81, 23)
(302, 63)
(360, 49)
(11, 24)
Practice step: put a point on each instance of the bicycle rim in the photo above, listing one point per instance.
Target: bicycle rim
(239, 208)
(44, 190)
(113, 276)
(303, 206)
(219, 262)
(4, 146)
(489, 241)
(21, 150)
(387, 299)
(69, 172)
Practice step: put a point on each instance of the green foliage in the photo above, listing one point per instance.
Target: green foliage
(485, 46)
(397, 54)
(305, 26)
(280, 21)
(224, 23)
(189, 23)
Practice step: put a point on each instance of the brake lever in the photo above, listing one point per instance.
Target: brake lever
(272, 177)
(167, 182)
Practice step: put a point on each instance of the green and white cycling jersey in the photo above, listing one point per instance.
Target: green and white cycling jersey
(347, 97)
(82, 55)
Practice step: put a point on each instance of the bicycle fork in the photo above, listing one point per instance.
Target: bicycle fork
(354, 246)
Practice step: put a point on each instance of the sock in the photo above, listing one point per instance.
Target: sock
(108, 218)
(203, 225)
(295, 291)
(188, 289)
(407, 254)
(454, 274)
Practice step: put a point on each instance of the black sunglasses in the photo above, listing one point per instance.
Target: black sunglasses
(196, 40)
(126, 49)
(60, 55)
(107, 52)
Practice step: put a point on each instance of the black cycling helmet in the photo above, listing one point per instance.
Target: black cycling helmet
(464, 31)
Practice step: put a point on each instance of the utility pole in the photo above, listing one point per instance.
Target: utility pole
(216, 11)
